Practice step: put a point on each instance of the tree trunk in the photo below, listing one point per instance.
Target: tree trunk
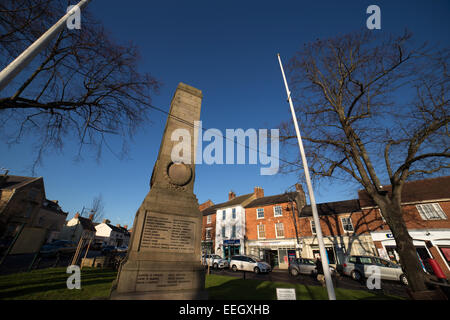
(405, 247)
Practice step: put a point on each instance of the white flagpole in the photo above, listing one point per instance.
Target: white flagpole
(14, 68)
(323, 255)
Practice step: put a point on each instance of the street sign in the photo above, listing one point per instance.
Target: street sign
(286, 294)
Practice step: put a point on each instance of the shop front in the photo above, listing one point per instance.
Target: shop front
(207, 247)
(231, 248)
(428, 243)
(276, 253)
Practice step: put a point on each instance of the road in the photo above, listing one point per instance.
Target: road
(387, 287)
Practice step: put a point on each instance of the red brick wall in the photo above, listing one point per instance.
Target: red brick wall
(211, 225)
(411, 216)
(269, 221)
(332, 225)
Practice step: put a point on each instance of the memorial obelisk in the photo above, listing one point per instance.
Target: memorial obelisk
(164, 257)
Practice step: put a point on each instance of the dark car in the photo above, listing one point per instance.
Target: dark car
(109, 249)
(62, 247)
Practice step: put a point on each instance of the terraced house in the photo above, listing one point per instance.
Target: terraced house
(272, 227)
(280, 227)
(27, 218)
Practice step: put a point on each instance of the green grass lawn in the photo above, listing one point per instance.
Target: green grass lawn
(225, 287)
(50, 284)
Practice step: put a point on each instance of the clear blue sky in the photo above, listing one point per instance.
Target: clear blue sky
(228, 50)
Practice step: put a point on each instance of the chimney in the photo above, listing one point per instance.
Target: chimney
(259, 192)
(91, 216)
(106, 221)
(126, 226)
(118, 225)
(4, 177)
(231, 195)
(300, 199)
(205, 205)
(77, 215)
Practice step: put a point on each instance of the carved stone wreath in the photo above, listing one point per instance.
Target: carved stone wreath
(179, 174)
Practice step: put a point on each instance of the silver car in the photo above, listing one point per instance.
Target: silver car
(304, 266)
(215, 261)
(357, 268)
(249, 263)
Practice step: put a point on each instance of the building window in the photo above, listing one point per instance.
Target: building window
(223, 232)
(260, 213)
(277, 211)
(233, 232)
(224, 215)
(347, 224)
(279, 230)
(233, 213)
(431, 211)
(208, 219)
(313, 227)
(261, 231)
(208, 234)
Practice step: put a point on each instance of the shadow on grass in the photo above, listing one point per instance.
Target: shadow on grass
(53, 276)
(28, 289)
(250, 289)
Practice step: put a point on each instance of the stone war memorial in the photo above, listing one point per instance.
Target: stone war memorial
(164, 257)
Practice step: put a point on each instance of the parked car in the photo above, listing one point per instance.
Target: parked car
(122, 249)
(304, 266)
(249, 263)
(64, 247)
(215, 261)
(109, 249)
(357, 268)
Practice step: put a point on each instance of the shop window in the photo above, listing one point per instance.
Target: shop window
(208, 219)
(282, 256)
(277, 211)
(313, 227)
(208, 234)
(260, 213)
(261, 231)
(431, 211)
(347, 224)
(279, 230)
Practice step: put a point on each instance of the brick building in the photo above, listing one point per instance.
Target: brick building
(208, 226)
(344, 230)
(272, 227)
(426, 208)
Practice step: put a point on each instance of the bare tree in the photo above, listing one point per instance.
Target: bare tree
(373, 109)
(83, 87)
(97, 208)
